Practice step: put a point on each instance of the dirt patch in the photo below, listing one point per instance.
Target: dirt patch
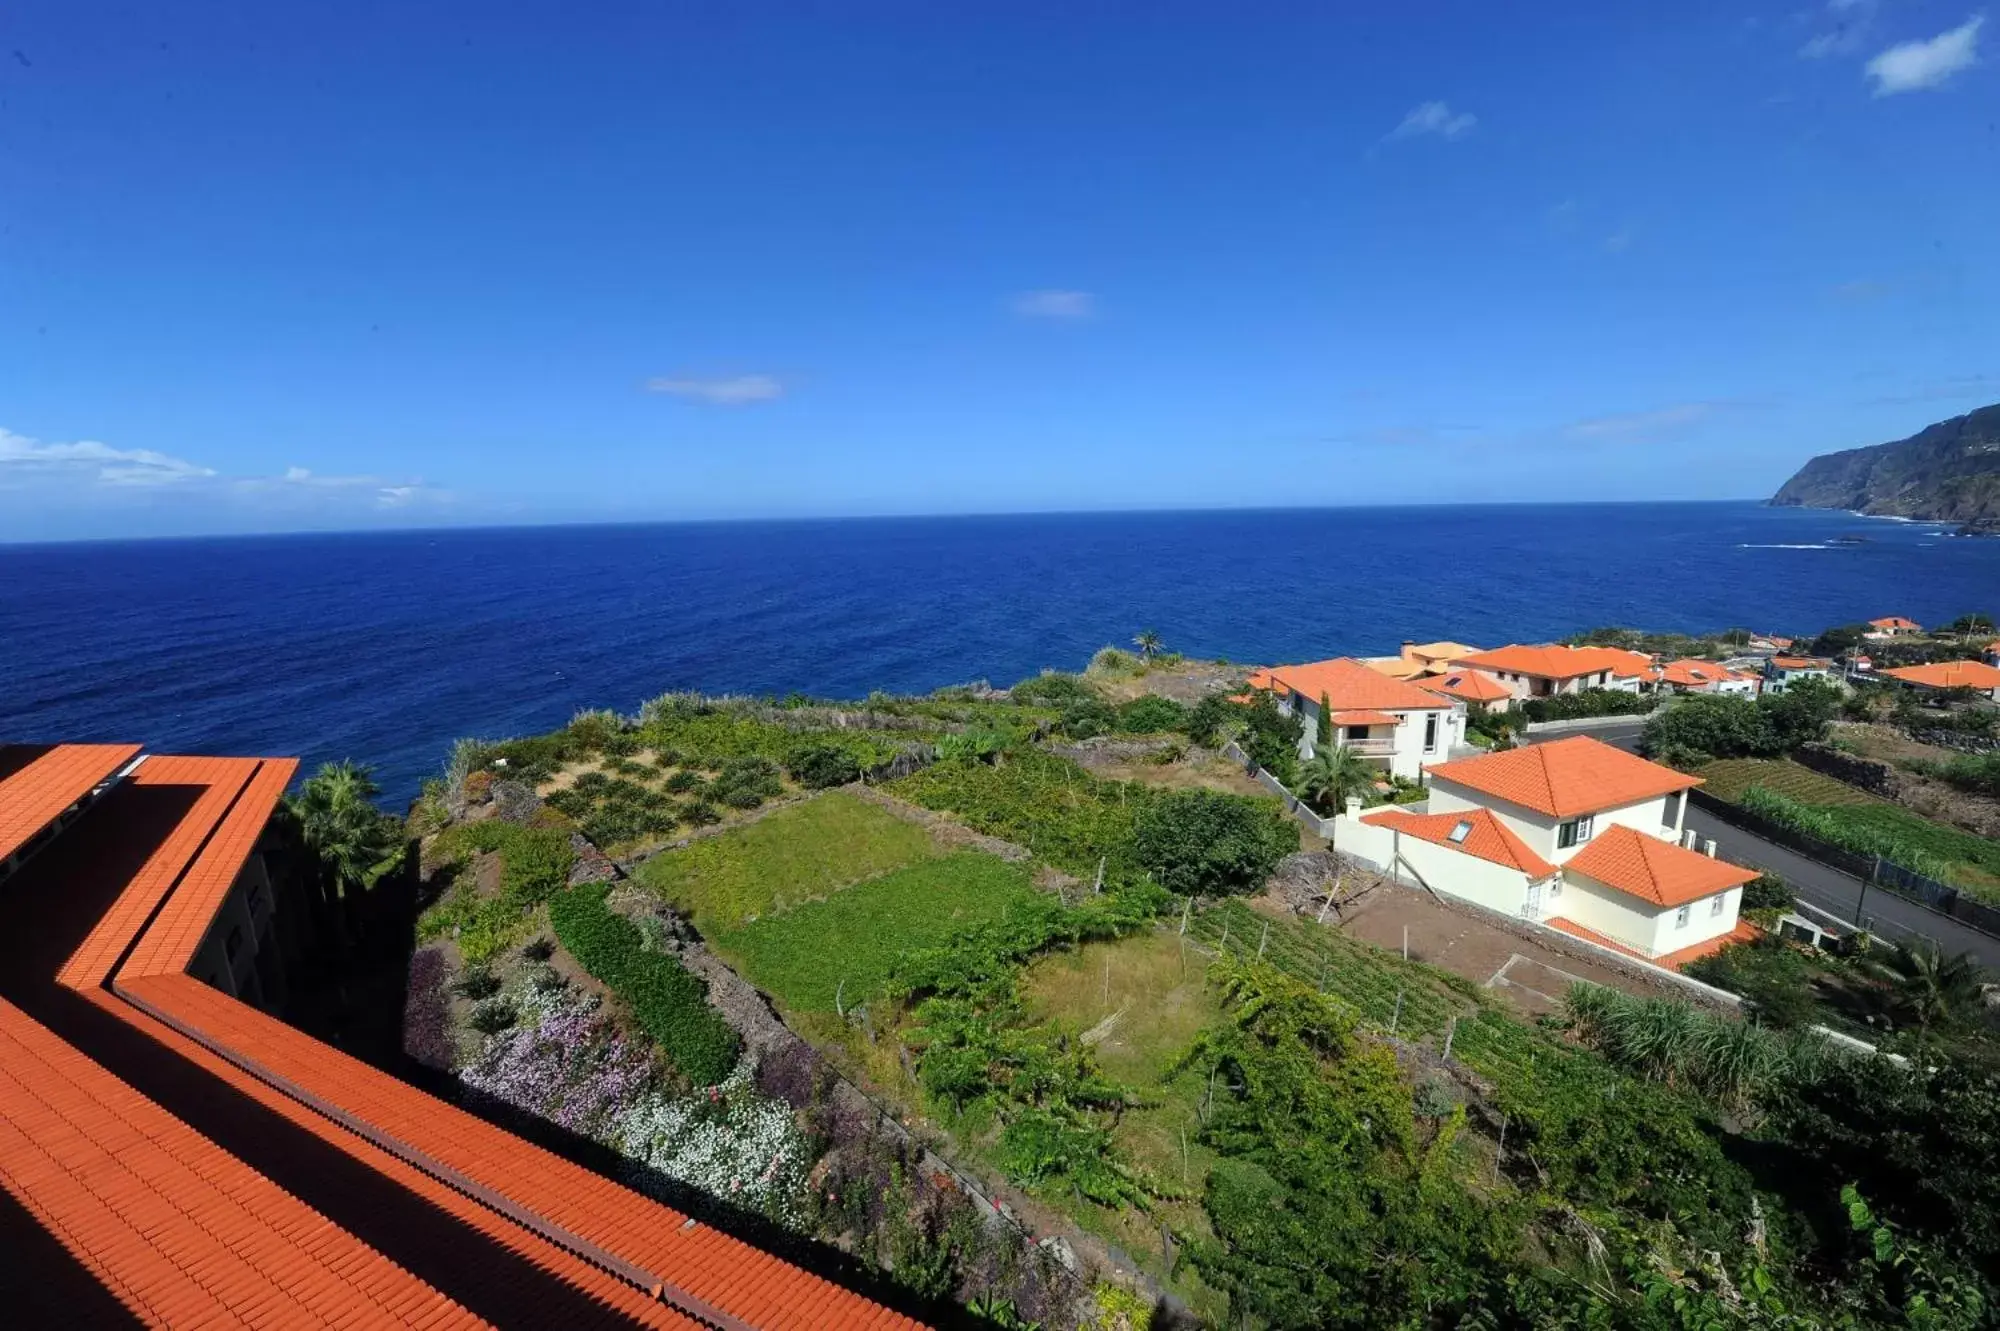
(1937, 800)
(1528, 975)
(1186, 681)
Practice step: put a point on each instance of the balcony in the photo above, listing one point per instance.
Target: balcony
(1370, 748)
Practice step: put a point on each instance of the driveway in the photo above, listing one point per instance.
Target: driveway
(1832, 891)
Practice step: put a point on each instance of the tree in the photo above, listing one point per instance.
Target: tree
(1966, 625)
(1204, 842)
(354, 842)
(822, 764)
(1837, 640)
(1799, 715)
(1930, 988)
(1148, 643)
(1323, 732)
(1704, 726)
(1206, 719)
(1334, 773)
(1271, 738)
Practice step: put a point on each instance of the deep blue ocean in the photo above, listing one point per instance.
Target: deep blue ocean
(384, 647)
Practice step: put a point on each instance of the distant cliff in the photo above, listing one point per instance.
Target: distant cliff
(1948, 472)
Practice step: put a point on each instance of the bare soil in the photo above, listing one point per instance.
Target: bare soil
(1189, 681)
(1934, 799)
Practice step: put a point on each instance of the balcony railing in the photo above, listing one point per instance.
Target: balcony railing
(1369, 748)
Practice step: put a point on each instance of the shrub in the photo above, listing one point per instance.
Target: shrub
(699, 813)
(1151, 713)
(684, 782)
(591, 730)
(1204, 842)
(1051, 689)
(669, 1002)
(539, 949)
(1114, 661)
(493, 1016)
(1589, 702)
(478, 982)
(1767, 891)
(1207, 717)
(478, 787)
(818, 766)
(1086, 718)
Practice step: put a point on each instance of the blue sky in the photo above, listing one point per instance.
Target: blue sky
(266, 267)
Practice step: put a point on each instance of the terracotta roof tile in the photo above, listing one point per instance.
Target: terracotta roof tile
(1697, 674)
(1949, 675)
(1554, 661)
(1896, 622)
(34, 796)
(1469, 685)
(1653, 870)
(1485, 837)
(1348, 685)
(1364, 719)
(1565, 777)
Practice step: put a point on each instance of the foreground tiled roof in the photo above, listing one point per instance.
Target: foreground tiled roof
(1348, 685)
(185, 1159)
(1469, 685)
(1486, 836)
(1744, 932)
(1554, 661)
(1949, 675)
(48, 781)
(1653, 870)
(1565, 777)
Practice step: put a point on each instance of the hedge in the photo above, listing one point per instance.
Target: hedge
(669, 1001)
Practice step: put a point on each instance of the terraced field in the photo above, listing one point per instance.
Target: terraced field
(1728, 778)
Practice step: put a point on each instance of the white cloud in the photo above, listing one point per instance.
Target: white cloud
(1055, 305)
(1435, 118)
(91, 461)
(731, 391)
(396, 496)
(1643, 426)
(1911, 66)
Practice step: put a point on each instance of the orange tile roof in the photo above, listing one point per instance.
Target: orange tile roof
(1554, 661)
(1488, 838)
(1469, 685)
(1802, 663)
(1895, 622)
(1364, 719)
(1697, 674)
(307, 1187)
(1348, 685)
(1565, 777)
(35, 795)
(1744, 932)
(1661, 872)
(1949, 675)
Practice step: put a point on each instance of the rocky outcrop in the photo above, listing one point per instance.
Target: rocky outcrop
(1947, 472)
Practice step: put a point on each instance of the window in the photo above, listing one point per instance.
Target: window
(1430, 732)
(1681, 917)
(1573, 833)
(1460, 833)
(1715, 906)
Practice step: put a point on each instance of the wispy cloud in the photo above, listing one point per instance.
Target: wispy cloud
(1643, 427)
(1844, 26)
(730, 391)
(1912, 66)
(89, 460)
(1434, 118)
(1055, 304)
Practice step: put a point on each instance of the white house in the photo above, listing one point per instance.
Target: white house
(1782, 671)
(1704, 677)
(1387, 720)
(1573, 834)
(1893, 626)
(1541, 671)
(1942, 675)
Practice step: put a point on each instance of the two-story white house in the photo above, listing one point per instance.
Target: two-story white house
(1384, 719)
(1780, 672)
(1573, 834)
(1545, 670)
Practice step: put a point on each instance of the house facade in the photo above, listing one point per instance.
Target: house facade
(1893, 626)
(1782, 671)
(1704, 677)
(1549, 669)
(1573, 834)
(1382, 718)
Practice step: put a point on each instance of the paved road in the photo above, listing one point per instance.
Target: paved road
(1818, 884)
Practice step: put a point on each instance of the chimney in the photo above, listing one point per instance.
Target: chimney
(1409, 652)
(1708, 846)
(1354, 807)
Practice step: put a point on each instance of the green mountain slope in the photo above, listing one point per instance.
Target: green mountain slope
(1948, 472)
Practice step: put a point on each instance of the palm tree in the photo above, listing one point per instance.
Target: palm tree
(340, 825)
(1148, 643)
(1330, 776)
(1930, 988)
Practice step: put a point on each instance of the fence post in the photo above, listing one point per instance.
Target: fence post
(1264, 938)
(1449, 1032)
(1396, 1016)
(1186, 912)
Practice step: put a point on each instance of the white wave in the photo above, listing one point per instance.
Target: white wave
(1745, 545)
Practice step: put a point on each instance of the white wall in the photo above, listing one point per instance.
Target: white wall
(1451, 872)
(1591, 904)
(1408, 758)
(1539, 829)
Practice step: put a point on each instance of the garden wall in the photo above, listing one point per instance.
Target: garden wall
(1318, 826)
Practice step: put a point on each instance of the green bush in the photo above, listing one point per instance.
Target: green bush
(1086, 718)
(1150, 714)
(1048, 804)
(820, 765)
(1767, 891)
(478, 982)
(493, 1016)
(1205, 842)
(1589, 702)
(1206, 719)
(1051, 689)
(669, 1002)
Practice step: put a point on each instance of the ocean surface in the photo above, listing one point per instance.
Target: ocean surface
(384, 647)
